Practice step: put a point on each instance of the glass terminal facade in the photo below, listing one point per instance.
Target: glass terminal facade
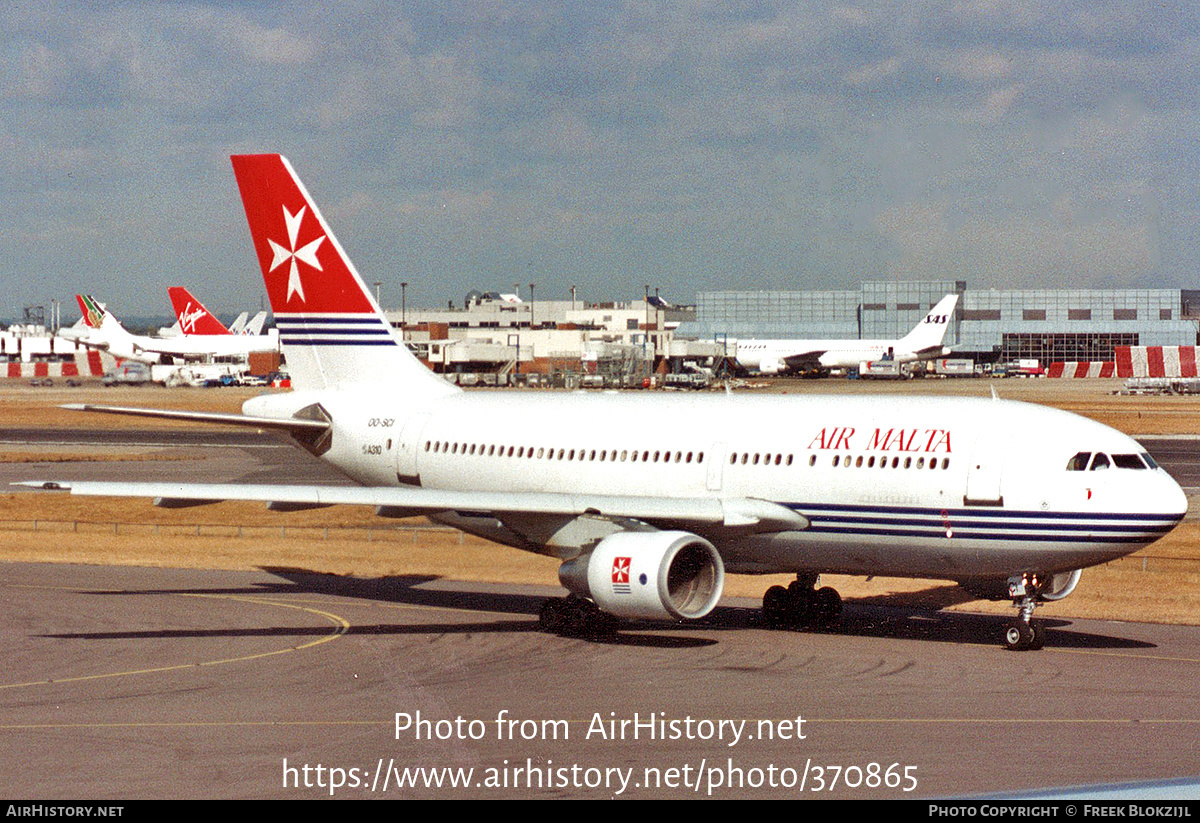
(989, 325)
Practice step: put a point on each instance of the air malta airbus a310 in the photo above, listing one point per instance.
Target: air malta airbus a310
(649, 500)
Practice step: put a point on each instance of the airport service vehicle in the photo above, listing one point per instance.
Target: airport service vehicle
(820, 356)
(650, 499)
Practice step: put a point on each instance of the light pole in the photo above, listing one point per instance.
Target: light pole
(403, 303)
(531, 306)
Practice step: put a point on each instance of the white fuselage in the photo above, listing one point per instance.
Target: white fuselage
(770, 356)
(946, 488)
(122, 344)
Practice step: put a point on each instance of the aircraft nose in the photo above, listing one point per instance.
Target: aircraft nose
(1174, 500)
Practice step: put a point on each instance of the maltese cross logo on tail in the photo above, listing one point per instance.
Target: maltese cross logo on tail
(307, 254)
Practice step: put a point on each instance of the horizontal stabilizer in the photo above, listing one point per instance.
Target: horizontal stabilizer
(288, 424)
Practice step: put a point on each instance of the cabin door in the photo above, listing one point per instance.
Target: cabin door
(716, 465)
(986, 468)
(407, 470)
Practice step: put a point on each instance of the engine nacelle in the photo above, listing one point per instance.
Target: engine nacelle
(649, 575)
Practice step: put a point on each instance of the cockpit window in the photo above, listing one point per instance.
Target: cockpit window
(1128, 461)
(1079, 462)
(1149, 460)
(1100, 461)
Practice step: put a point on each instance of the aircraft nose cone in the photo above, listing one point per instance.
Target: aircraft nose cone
(1174, 499)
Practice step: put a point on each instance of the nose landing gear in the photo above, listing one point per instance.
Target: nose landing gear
(1022, 633)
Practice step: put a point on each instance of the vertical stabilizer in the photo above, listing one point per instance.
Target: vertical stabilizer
(330, 329)
(93, 312)
(926, 339)
(255, 326)
(193, 317)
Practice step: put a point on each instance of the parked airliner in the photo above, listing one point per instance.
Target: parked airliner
(195, 319)
(100, 330)
(648, 500)
(924, 342)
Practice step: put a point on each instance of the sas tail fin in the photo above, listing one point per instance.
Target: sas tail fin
(193, 317)
(926, 339)
(332, 332)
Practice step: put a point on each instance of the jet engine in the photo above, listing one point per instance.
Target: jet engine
(649, 575)
(775, 366)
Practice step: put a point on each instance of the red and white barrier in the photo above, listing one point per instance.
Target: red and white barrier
(87, 363)
(1085, 368)
(1156, 361)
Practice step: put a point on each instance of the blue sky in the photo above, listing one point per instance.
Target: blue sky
(699, 146)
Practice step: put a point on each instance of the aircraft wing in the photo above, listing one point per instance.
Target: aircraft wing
(83, 336)
(805, 361)
(741, 513)
(170, 347)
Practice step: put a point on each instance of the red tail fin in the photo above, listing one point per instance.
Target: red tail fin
(305, 270)
(330, 329)
(193, 317)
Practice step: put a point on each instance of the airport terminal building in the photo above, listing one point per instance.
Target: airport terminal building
(990, 325)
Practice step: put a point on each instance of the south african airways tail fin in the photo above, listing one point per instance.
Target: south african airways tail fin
(331, 330)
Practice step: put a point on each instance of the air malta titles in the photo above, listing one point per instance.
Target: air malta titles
(924, 441)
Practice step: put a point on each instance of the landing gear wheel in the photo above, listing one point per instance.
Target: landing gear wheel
(777, 606)
(800, 606)
(552, 615)
(826, 607)
(1018, 636)
(1039, 636)
(575, 617)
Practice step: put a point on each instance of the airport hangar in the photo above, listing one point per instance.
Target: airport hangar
(990, 325)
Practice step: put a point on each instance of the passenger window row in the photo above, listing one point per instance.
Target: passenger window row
(895, 462)
(543, 453)
(758, 458)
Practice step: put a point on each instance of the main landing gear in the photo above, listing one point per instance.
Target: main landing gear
(801, 605)
(1022, 633)
(574, 616)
